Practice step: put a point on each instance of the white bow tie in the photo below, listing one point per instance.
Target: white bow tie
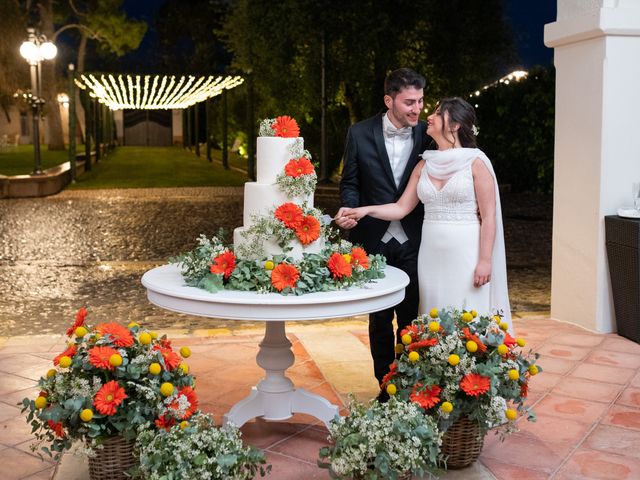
(404, 132)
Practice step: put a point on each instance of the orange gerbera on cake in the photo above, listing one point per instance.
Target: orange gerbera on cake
(225, 264)
(120, 336)
(290, 214)
(475, 385)
(284, 276)
(99, 357)
(286, 127)
(359, 257)
(109, 397)
(297, 167)
(339, 266)
(308, 230)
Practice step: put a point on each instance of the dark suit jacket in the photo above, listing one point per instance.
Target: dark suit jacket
(367, 179)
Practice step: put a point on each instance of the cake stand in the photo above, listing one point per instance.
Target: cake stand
(275, 397)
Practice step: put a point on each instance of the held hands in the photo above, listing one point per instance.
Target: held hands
(482, 274)
(348, 217)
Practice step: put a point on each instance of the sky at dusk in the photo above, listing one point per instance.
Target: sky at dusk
(527, 18)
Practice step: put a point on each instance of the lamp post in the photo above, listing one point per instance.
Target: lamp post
(35, 49)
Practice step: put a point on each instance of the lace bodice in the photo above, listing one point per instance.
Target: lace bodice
(455, 202)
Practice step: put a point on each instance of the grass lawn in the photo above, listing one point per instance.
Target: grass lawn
(137, 167)
(19, 160)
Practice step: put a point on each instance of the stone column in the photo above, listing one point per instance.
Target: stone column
(597, 148)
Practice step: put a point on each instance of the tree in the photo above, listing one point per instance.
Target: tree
(14, 72)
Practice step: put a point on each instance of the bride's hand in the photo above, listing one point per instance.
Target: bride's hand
(343, 220)
(482, 274)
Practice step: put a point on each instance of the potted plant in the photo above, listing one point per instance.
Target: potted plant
(109, 382)
(467, 372)
(198, 449)
(392, 440)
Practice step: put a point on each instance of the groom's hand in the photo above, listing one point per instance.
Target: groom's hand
(343, 221)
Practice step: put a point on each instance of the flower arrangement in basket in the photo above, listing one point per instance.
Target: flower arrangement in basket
(461, 367)
(198, 450)
(110, 381)
(391, 440)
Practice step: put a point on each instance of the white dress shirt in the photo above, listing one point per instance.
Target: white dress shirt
(399, 143)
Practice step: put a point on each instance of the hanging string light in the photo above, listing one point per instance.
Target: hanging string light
(152, 92)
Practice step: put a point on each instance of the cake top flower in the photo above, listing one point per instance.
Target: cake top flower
(283, 126)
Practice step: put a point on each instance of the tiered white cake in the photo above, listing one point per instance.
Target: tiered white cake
(263, 196)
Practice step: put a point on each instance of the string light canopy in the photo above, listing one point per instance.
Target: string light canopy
(154, 92)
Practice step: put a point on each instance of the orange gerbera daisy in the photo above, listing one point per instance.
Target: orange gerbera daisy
(509, 341)
(309, 230)
(286, 127)
(290, 214)
(392, 373)
(283, 276)
(225, 263)
(472, 336)
(524, 390)
(120, 336)
(475, 385)
(80, 317)
(110, 395)
(69, 352)
(99, 357)
(171, 358)
(164, 422)
(191, 398)
(297, 167)
(426, 397)
(429, 342)
(413, 330)
(57, 428)
(359, 257)
(338, 266)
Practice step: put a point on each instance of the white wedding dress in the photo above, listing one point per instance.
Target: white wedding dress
(450, 245)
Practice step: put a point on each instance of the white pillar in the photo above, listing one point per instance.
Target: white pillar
(597, 148)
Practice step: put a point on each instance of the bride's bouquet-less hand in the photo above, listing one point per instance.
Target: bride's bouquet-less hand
(458, 365)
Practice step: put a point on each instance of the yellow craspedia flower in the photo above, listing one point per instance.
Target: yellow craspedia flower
(115, 360)
(86, 415)
(269, 265)
(133, 325)
(474, 314)
(414, 356)
(347, 257)
(511, 414)
(166, 389)
(155, 368)
(184, 424)
(391, 389)
(497, 319)
(504, 326)
(472, 346)
(446, 407)
(41, 402)
(406, 339)
(51, 372)
(502, 349)
(399, 348)
(514, 374)
(145, 338)
(184, 367)
(185, 352)
(154, 335)
(81, 332)
(454, 359)
(521, 342)
(65, 362)
(533, 370)
(434, 327)
(466, 317)
(433, 313)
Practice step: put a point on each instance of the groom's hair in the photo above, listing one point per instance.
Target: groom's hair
(402, 78)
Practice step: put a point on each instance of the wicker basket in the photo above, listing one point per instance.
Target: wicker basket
(462, 443)
(113, 460)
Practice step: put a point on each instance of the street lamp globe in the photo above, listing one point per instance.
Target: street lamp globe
(48, 50)
(30, 51)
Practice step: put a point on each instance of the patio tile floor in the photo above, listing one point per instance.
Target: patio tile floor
(587, 400)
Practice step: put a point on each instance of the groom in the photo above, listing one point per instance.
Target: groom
(379, 156)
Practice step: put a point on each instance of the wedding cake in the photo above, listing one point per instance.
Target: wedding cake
(279, 217)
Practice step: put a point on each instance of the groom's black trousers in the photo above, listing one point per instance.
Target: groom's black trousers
(381, 335)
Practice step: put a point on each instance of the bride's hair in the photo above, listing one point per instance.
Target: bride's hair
(462, 113)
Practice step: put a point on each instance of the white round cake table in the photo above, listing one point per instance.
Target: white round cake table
(275, 397)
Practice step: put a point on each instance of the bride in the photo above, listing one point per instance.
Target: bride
(461, 262)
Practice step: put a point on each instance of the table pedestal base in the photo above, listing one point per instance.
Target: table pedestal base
(275, 398)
